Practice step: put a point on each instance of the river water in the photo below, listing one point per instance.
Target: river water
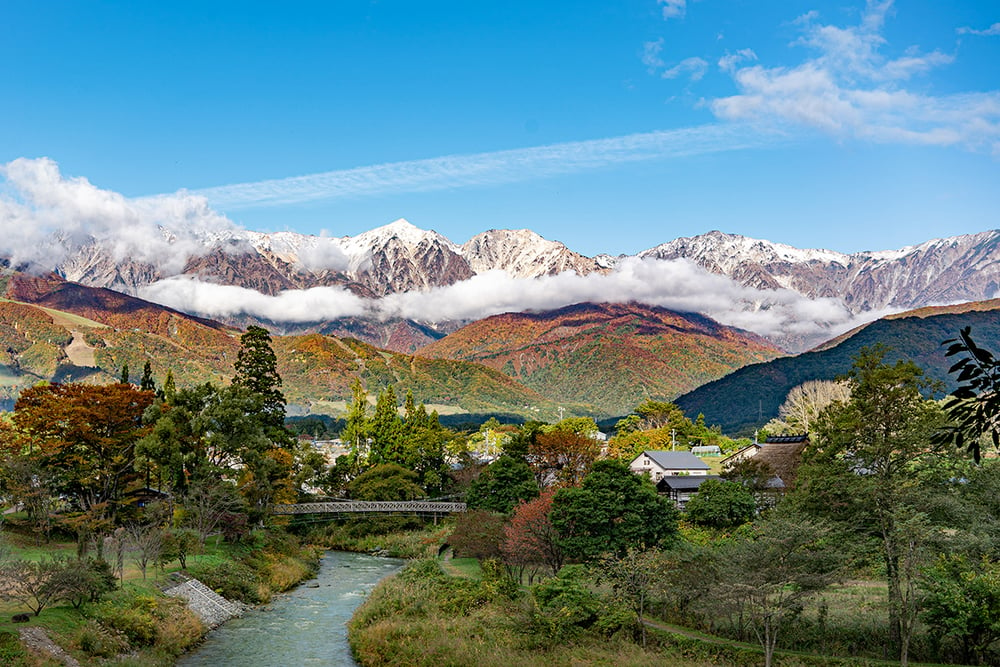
(306, 626)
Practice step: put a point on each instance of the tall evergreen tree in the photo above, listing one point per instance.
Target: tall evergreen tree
(257, 370)
(357, 430)
(124, 379)
(169, 387)
(147, 383)
(386, 430)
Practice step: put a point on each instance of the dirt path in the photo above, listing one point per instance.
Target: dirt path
(38, 641)
(78, 351)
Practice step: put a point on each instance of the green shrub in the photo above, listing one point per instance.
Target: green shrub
(564, 605)
(232, 580)
(99, 641)
(135, 616)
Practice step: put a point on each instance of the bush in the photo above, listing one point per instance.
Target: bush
(132, 615)
(96, 640)
(564, 605)
(82, 581)
(233, 580)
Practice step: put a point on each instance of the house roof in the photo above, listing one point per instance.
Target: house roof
(674, 460)
(783, 458)
(752, 445)
(782, 439)
(683, 482)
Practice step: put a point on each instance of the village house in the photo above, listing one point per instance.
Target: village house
(660, 464)
(780, 456)
(680, 488)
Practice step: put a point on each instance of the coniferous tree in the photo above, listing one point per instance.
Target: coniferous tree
(147, 383)
(169, 388)
(124, 379)
(357, 430)
(257, 370)
(386, 430)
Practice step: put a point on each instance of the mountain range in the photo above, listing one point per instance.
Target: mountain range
(399, 259)
(599, 357)
(610, 355)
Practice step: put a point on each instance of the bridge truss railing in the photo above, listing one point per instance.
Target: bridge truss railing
(370, 507)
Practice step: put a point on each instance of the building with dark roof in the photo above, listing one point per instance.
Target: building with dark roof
(660, 464)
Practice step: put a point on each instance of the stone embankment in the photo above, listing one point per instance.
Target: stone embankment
(37, 640)
(209, 606)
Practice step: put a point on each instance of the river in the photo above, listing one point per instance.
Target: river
(306, 626)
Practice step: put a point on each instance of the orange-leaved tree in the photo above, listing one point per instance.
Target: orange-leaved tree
(85, 435)
(530, 538)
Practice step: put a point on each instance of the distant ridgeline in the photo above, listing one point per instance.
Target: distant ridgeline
(750, 397)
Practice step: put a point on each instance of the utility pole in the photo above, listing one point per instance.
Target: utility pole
(673, 439)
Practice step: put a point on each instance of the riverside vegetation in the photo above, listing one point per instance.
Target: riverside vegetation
(885, 552)
(565, 557)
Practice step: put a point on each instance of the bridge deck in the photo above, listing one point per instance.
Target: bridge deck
(370, 506)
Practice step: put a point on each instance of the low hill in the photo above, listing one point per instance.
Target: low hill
(319, 370)
(750, 397)
(51, 329)
(613, 356)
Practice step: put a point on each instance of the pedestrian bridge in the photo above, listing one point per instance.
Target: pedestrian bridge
(371, 507)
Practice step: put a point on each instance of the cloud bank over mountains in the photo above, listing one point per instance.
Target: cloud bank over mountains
(674, 284)
(48, 216)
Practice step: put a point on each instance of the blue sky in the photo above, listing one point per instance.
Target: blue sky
(609, 126)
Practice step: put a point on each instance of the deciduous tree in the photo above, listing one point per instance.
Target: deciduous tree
(961, 602)
(864, 457)
(504, 483)
(721, 504)
(786, 560)
(86, 435)
(530, 537)
(562, 457)
(974, 407)
(806, 401)
(611, 511)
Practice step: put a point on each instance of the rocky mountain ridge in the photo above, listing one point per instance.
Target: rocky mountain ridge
(401, 258)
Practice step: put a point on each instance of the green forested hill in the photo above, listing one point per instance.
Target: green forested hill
(750, 397)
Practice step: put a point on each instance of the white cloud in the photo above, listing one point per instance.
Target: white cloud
(675, 284)
(322, 255)
(694, 67)
(204, 298)
(673, 8)
(651, 55)
(456, 171)
(992, 31)
(850, 89)
(728, 62)
(45, 215)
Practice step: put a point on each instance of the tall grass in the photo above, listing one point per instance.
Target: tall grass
(423, 617)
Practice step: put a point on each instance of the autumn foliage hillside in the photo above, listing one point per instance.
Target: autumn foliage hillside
(613, 356)
(51, 329)
(317, 367)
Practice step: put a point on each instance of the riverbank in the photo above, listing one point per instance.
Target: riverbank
(425, 617)
(305, 626)
(136, 625)
(410, 544)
